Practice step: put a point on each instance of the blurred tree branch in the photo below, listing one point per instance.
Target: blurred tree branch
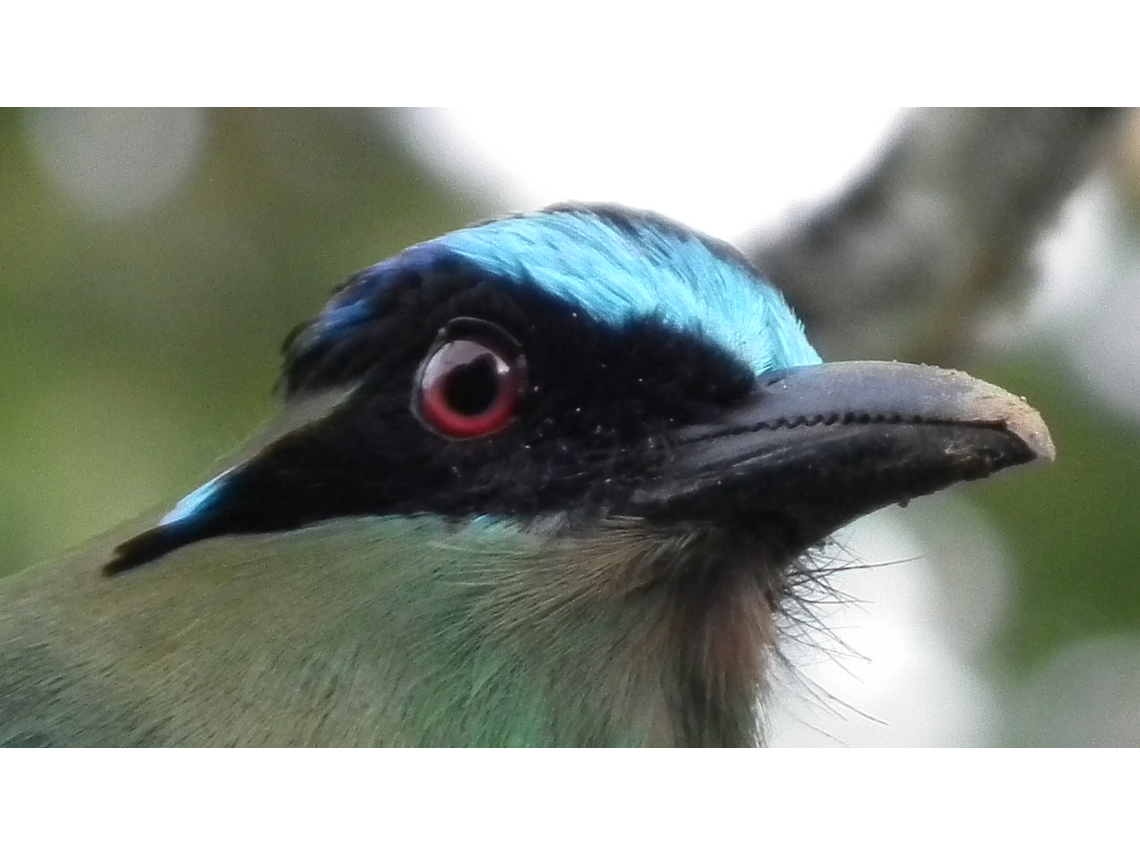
(937, 234)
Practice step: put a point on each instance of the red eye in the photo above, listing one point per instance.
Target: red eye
(468, 387)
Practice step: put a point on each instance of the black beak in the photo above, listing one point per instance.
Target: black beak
(821, 445)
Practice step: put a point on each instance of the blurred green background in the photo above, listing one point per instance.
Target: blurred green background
(150, 267)
(142, 325)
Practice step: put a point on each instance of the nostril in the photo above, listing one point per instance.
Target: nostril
(771, 378)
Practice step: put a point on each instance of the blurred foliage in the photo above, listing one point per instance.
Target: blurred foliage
(1073, 525)
(137, 348)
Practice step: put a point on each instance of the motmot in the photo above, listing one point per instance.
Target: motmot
(554, 479)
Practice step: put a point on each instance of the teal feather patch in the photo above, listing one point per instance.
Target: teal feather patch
(617, 266)
(619, 270)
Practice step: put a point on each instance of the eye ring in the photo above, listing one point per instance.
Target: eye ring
(471, 382)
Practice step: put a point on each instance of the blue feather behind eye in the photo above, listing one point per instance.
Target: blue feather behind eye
(197, 503)
(617, 266)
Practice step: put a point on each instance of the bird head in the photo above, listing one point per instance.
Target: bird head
(563, 466)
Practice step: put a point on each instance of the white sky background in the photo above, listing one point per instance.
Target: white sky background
(721, 171)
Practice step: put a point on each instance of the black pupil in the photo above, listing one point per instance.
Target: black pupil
(470, 389)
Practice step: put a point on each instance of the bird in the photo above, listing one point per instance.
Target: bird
(552, 479)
